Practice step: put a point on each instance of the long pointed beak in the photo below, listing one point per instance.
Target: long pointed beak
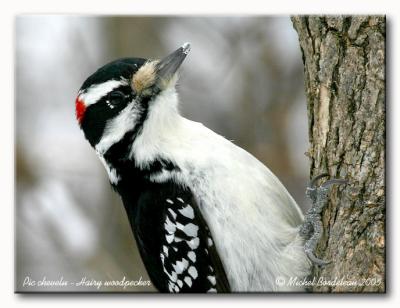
(168, 66)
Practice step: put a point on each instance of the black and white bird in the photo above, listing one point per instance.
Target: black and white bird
(207, 215)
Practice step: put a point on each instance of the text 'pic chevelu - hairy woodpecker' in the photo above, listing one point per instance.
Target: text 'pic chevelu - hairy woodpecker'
(207, 215)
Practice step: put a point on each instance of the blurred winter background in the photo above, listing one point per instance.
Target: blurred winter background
(243, 79)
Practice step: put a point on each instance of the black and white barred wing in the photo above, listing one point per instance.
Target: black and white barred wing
(188, 258)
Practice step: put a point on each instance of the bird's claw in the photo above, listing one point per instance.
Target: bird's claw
(311, 230)
(314, 259)
(329, 183)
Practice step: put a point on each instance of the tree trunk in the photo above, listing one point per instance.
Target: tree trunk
(344, 66)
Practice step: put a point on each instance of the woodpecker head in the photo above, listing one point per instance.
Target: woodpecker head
(118, 97)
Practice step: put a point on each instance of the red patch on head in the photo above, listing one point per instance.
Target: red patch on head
(80, 109)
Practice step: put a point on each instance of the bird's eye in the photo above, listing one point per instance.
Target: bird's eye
(115, 98)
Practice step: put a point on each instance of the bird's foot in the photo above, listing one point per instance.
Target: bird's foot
(311, 229)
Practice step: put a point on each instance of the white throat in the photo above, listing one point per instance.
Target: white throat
(162, 125)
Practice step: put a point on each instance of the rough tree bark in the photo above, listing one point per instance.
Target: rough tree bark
(344, 65)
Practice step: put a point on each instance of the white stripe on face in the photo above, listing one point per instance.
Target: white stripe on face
(117, 127)
(93, 94)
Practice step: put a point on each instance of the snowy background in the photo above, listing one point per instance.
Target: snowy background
(243, 78)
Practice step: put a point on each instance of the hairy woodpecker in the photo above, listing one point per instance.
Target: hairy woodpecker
(207, 215)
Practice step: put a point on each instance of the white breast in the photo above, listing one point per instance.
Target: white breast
(252, 217)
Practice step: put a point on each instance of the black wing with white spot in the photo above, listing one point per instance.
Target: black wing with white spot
(175, 242)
